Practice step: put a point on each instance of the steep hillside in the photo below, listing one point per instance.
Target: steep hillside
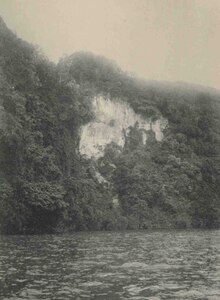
(85, 146)
(45, 185)
(159, 182)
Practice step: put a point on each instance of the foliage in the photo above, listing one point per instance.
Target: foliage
(39, 135)
(45, 184)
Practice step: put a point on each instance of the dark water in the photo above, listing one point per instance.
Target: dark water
(125, 265)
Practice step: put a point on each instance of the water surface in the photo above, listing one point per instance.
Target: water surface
(111, 265)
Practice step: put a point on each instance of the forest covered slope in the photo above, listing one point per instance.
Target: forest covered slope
(48, 185)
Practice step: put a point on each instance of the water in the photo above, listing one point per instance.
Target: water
(111, 265)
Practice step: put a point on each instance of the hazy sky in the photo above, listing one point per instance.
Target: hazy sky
(177, 40)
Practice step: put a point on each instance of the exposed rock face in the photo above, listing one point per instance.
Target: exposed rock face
(112, 120)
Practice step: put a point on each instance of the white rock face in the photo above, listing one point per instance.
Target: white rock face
(112, 119)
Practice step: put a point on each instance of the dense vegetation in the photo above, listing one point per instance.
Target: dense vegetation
(173, 183)
(44, 183)
(47, 186)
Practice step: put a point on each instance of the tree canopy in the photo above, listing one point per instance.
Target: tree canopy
(45, 183)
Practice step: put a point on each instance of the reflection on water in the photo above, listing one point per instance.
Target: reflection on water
(111, 265)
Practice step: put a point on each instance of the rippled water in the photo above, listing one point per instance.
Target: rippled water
(111, 265)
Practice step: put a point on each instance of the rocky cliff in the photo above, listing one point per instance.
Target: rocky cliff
(111, 124)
